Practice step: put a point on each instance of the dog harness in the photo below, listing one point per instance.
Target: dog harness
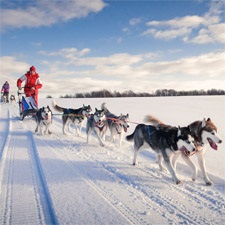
(149, 135)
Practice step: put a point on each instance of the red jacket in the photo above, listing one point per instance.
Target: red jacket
(31, 81)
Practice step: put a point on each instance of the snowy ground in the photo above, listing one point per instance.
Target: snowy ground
(60, 179)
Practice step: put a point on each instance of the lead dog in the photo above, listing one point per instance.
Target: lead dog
(75, 116)
(204, 133)
(117, 125)
(44, 119)
(97, 123)
(165, 142)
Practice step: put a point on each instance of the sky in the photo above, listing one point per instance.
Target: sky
(119, 45)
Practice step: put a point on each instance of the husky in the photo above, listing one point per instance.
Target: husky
(98, 124)
(164, 142)
(117, 125)
(44, 119)
(3, 98)
(12, 98)
(75, 116)
(204, 133)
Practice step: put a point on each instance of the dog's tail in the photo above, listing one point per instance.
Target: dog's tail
(153, 120)
(130, 137)
(103, 106)
(56, 107)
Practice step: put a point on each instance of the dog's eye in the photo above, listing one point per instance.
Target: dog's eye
(188, 142)
(212, 133)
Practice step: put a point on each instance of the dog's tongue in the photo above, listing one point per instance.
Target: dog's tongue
(184, 150)
(212, 144)
(125, 129)
(46, 117)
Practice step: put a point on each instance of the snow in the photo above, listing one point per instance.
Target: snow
(60, 179)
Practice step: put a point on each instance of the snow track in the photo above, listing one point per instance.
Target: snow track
(60, 179)
(20, 162)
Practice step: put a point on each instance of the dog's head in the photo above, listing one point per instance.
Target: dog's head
(124, 121)
(99, 116)
(185, 141)
(86, 111)
(46, 113)
(209, 133)
(12, 97)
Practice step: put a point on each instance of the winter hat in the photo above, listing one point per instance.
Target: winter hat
(32, 69)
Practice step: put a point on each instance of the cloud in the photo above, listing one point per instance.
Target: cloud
(134, 21)
(68, 53)
(120, 72)
(194, 29)
(46, 13)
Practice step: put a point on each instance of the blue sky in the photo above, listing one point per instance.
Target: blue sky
(88, 45)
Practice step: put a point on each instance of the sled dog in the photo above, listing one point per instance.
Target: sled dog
(44, 119)
(164, 142)
(117, 125)
(75, 116)
(98, 124)
(204, 133)
(12, 98)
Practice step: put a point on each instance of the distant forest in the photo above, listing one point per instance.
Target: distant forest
(157, 93)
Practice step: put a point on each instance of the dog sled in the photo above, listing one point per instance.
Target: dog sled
(27, 106)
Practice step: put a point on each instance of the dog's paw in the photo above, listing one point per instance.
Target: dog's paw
(178, 182)
(208, 183)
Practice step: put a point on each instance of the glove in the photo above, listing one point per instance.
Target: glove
(20, 88)
(32, 88)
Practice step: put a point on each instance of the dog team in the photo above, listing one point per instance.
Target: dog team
(169, 142)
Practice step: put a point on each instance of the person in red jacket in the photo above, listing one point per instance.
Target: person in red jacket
(32, 83)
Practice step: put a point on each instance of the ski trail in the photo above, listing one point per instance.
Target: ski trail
(24, 202)
(158, 200)
(4, 129)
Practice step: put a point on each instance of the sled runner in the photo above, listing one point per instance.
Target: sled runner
(27, 106)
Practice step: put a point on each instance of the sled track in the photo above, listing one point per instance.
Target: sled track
(39, 207)
(111, 199)
(5, 124)
(198, 196)
(45, 199)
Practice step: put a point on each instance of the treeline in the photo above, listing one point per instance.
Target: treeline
(157, 93)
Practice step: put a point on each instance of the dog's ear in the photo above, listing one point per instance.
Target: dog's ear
(179, 131)
(127, 114)
(96, 109)
(204, 122)
(188, 127)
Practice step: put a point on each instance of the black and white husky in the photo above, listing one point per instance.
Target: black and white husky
(165, 142)
(117, 125)
(75, 116)
(12, 98)
(97, 123)
(204, 132)
(44, 119)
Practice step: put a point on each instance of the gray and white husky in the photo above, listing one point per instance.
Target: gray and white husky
(165, 142)
(117, 125)
(97, 123)
(204, 133)
(75, 116)
(43, 119)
